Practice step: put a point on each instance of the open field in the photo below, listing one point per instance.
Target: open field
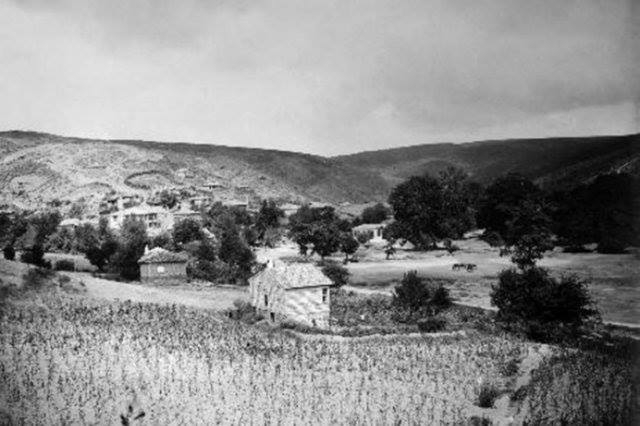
(74, 359)
(614, 280)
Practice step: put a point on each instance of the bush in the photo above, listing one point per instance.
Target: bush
(33, 256)
(336, 273)
(542, 307)
(416, 293)
(431, 324)
(9, 253)
(65, 265)
(243, 311)
(487, 395)
(36, 278)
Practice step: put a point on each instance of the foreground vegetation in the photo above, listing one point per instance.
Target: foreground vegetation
(68, 359)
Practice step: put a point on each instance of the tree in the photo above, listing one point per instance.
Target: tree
(375, 214)
(269, 216)
(235, 252)
(501, 200)
(412, 293)
(63, 240)
(163, 240)
(317, 227)
(98, 245)
(528, 234)
(133, 239)
(186, 230)
(541, 306)
(9, 253)
(348, 245)
(427, 209)
(168, 199)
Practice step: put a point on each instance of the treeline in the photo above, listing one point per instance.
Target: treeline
(219, 245)
(430, 209)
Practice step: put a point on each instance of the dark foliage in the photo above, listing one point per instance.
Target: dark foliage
(487, 395)
(186, 230)
(493, 239)
(427, 209)
(317, 228)
(431, 324)
(98, 245)
(235, 252)
(133, 239)
(375, 214)
(609, 213)
(33, 255)
(348, 245)
(268, 216)
(541, 306)
(36, 278)
(9, 253)
(336, 273)
(500, 202)
(64, 265)
(415, 294)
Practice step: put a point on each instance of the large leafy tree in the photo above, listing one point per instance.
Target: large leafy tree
(317, 228)
(186, 230)
(428, 209)
(501, 201)
(98, 245)
(133, 239)
(377, 213)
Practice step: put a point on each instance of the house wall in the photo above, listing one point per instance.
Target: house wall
(303, 305)
(167, 273)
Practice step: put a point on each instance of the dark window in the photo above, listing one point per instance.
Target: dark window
(324, 295)
(266, 300)
(273, 316)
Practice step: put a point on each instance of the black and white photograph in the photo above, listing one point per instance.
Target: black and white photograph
(320, 212)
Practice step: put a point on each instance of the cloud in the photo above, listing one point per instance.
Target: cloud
(325, 77)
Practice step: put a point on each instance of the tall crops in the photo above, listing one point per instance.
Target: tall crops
(68, 360)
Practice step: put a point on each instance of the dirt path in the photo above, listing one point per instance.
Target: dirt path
(216, 298)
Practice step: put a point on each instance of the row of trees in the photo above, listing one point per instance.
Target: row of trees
(219, 245)
(430, 209)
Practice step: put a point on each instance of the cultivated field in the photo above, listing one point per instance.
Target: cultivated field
(68, 359)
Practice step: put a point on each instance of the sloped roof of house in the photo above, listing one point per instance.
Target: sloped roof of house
(160, 255)
(70, 222)
(292, 275)
(368, 227)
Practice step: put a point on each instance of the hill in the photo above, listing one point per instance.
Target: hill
(39, 167)
(551, 161)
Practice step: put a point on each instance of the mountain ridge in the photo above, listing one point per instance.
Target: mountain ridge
(37, 166)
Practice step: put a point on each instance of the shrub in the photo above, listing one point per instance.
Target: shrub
(416, 293)
(33, 256)
(440, 299)
(243, 311)
(542, 307)
(65, 265)
(336, 273)
(36, 278)
(412, 292)
(431, 324)
(9, 253)
(487, 395)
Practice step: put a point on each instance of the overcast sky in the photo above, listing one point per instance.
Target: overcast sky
(324, 77)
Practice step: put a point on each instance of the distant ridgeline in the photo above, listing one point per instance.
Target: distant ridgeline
(39, 167)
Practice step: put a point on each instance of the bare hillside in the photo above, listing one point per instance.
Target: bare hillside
(36, 167)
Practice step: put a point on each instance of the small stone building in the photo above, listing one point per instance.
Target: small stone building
(374, 231)
(297, 292)
(160, 266)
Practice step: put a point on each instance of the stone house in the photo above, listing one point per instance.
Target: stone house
(373, 230)
(160, 266)
(297, 292)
